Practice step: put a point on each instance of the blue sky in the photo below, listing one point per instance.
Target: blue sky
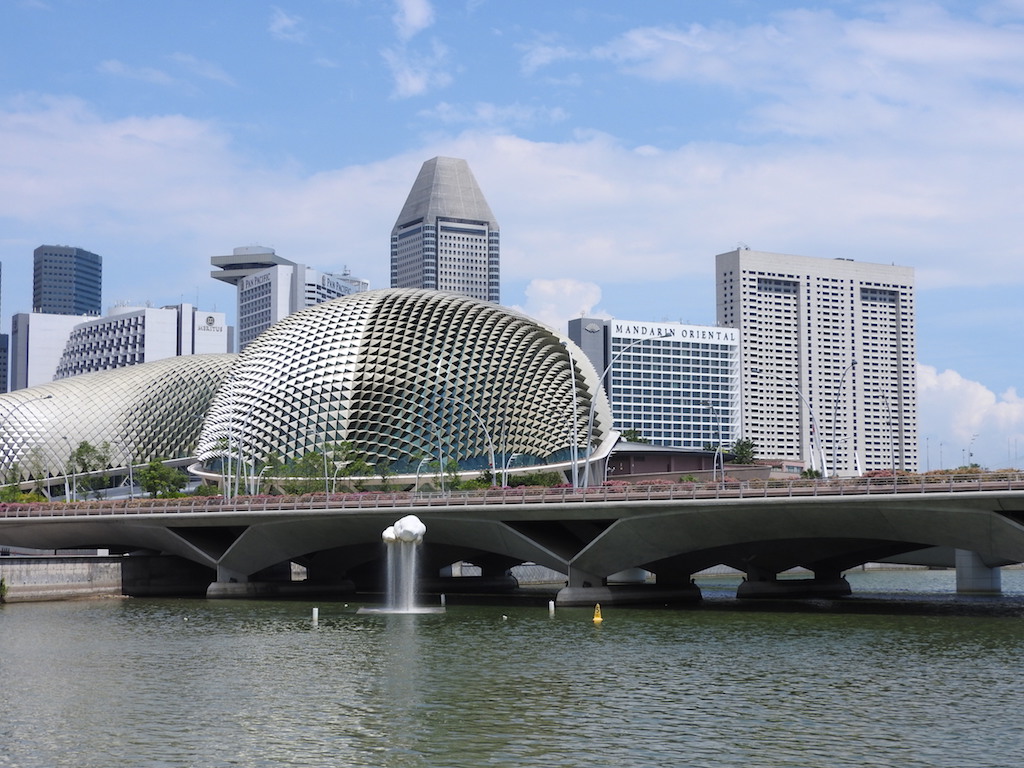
(621, 146)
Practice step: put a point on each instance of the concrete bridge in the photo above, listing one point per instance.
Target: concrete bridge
(244, 547)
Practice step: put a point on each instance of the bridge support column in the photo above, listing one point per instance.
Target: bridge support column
(586, 590)
(974, 577)
(825, 584)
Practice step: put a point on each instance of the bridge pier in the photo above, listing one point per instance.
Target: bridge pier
(974, 577)
(760, 583)
(586, 589)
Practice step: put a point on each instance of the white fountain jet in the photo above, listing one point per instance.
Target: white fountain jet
(402, 541)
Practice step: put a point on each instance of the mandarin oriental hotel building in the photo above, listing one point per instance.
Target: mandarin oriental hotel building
(676, 385)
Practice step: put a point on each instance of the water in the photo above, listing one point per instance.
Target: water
(921, 678)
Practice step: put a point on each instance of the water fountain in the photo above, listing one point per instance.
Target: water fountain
(403, 540)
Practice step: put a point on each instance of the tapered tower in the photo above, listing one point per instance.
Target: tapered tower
(446, 237)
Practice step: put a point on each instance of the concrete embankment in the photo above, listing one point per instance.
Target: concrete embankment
(60, 578)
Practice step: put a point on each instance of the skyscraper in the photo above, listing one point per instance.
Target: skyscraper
(828, 355)
(270, 287)
(446, 237)
(66, 281)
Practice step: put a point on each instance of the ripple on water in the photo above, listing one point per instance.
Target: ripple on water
(197, 683)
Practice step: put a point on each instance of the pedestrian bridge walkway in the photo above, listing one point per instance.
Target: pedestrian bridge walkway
(672, 531)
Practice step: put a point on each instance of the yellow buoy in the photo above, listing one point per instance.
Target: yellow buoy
(597, 613)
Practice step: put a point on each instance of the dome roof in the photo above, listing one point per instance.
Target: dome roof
(402, 375)
(151, 410)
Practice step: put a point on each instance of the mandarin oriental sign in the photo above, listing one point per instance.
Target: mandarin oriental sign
(676, 331)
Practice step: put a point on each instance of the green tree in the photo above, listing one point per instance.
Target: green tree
(158, 479)
(90, 464)
(385, 473)
(304, 474)
(452, 479)
(634, 436)
(744, 451)
(10, 493)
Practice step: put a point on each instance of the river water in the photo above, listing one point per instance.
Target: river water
(904, 674)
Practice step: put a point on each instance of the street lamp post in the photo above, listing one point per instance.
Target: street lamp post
(483, 429)
(719, 458)
(127, 451)
(74, 474)
(593, 406)
(815, 432)
(835, 411)
(892, 441)
(7, 419)
(574, 434)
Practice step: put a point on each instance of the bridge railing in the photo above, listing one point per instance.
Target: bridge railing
(610, 492)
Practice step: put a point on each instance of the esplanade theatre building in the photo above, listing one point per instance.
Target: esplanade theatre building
(399, 376)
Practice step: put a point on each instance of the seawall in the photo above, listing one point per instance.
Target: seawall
(60, 578)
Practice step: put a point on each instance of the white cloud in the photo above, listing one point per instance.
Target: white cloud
(958, 416)
(415, 73)
(541, 54)
(488, 115)
(286, 27)
(554, 302)
(412, 17)
(205, 69)
(633, 222)
(145, 74)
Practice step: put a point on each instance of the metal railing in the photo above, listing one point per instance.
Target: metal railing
(611, 492)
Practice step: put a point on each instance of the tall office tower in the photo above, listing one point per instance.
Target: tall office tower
(271, 287)
(446, 238)
(828, 359)
(66, 281)
(4, 353)
(676, 385)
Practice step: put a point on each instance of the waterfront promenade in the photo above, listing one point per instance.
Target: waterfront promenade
(763, 529)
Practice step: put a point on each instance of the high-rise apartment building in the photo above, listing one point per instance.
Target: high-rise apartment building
(271, 287)
(676, 385)
(828, 357)
(446, 237)
(66, 281)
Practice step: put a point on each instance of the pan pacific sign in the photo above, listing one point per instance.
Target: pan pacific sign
(675, 331)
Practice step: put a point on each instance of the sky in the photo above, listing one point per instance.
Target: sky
(620, 146)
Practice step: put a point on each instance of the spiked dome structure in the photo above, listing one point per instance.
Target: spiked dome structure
(404, 376)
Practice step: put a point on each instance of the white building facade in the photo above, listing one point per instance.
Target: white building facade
(49, 347)
(270, 287)
(828, 357)
(674, 384)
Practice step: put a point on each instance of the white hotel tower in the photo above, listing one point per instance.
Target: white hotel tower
(676, 385)
(827, 358)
